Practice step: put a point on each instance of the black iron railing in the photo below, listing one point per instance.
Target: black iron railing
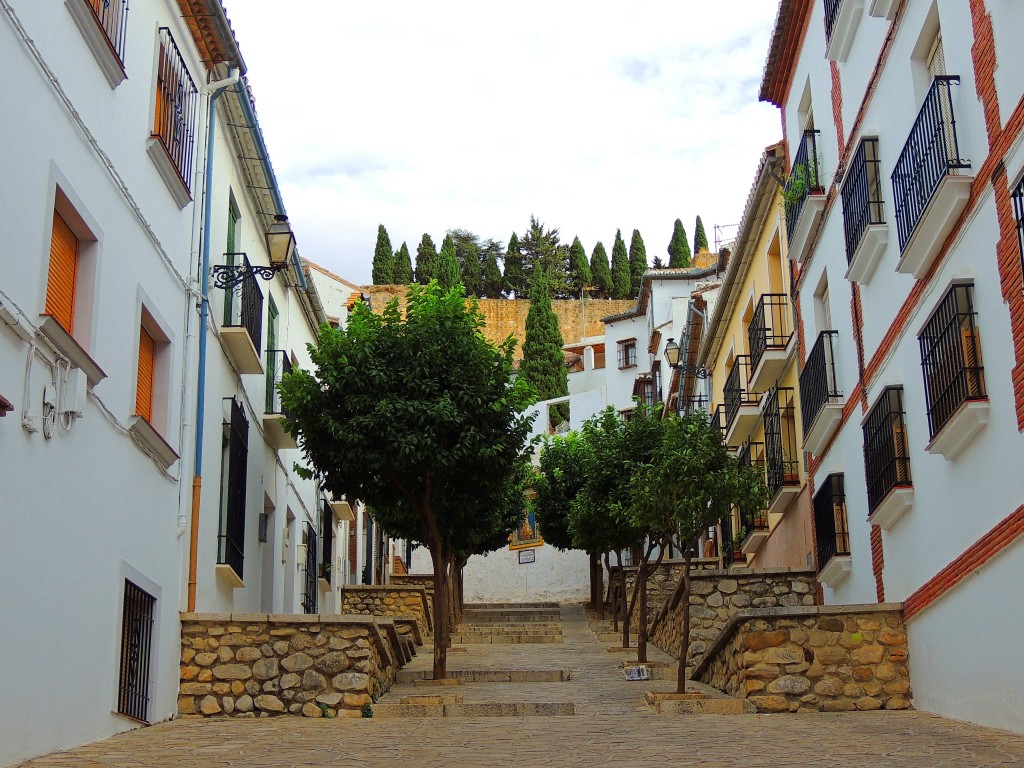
(112, 16)
(770, 327)
(735, 393)
(727, 545)
(804, 179)
(830, 526)
(327, 539)
(176, 103)
(782, 462)
(309, 591)
(693, 403)
(1018, 212)
(752, 518)
(886, 450)
(231, 540)
(718, 419)
(818, 384)
(951, 357)
(248, 297)
(930, 154)
(136, 652)
(862, 195)
(278, 364)
(831, 14)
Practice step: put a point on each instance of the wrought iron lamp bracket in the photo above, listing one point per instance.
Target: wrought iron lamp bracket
(232, 275)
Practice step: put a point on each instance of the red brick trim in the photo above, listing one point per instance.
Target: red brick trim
(1008, 258)
(979, 553)
(877, 562)
(983, 52)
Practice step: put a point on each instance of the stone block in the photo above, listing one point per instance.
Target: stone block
(297, 662)
(222, 688)
(770, 703)
(897, 702)
(885, 671)
(829, 686)
(269, 703)
(785, 655)
(330, 699)
(851, 640)
(187, 705)
(897, 687)
(309, 709)
(225, 654)
(757, 641)
(248, 654)
(762, 672)
(862, 673)
(889, 636)
(205, 659)
(831, 624)
(868, 654)
(189, 673)
(852, 690)
(237, 688)
(868, 703)
(789, 684)
(351, 681)
(229, 704)
(209, 705)
(838, 705)
(313, 680)
(831, 654)
(194, 689)
(727, 586)
(265, 669)
(356, 700)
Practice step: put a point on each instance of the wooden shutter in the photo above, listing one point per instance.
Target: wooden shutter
(144, 390)
(60, 285)
(972, 361)
(901, 458)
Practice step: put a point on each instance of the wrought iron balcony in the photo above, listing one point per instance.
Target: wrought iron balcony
(309, 591)
(753, 519)
(278, 364)
(930, 154)
(862, 196)
(688, 405)
(770, 331)
(112, 16)
(244, 310)
(736, 391)
(818, 385)
(886, 449)
(782, 460)
(832, 533)
(231, 539)
(718, 419)
(176, 103)
(804, 180)
(831, 13)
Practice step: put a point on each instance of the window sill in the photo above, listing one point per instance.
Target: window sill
(627, 367)
(71, 349)
(941, 213)
(324, 584)
(226, 574)
(883, 9)
(968, 420)
(868, 254)
(96, 39)
(893, 507)
(144, 432)
(800, 239)
(835, 571)
(168, 172)
(844, 30)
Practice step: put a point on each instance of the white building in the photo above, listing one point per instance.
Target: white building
(904, 206)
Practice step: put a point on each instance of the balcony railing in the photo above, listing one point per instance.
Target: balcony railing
(886, 456)
(718, 419)
(688, 405)
(752, 518)
(309, 593)
(862, 195)
(250, 309)
(831, 13)
(804, 179)
(782, 461)
(1018, 213)
(278, 364)
(176, 102)
(830, 526)
(951, 357)
(231, 541)
(735, 391)
(930, 154)
(327, 539)
(818, 384)
(112, 16)
(770, 328)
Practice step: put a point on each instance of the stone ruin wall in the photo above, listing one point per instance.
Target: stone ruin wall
(398, 601)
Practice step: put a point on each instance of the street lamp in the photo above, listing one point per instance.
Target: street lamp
(672, 355)
(280, 247)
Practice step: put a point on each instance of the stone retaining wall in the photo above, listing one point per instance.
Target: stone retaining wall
(425, 580)
(248, 665)
(821, 658)
(389, 601)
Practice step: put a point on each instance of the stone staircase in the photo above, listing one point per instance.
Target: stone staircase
(509, 624)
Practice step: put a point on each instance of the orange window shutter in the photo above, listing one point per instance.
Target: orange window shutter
(60, 285)
(144, 390)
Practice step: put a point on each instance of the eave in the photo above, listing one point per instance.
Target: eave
(790, 25)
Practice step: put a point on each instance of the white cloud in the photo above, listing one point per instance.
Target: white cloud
(426, 117)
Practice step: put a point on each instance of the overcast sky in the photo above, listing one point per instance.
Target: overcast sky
(424, 117)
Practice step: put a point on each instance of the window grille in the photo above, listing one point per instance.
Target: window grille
(112, 16)
(818, 384)
(309, 593)
(231, 541)
(804, 179)
(627, 353)
(830, 525)
(862, 195)
(886, 450)
(1018, 212)
(783, 463)
(176, 103)
(136, 652)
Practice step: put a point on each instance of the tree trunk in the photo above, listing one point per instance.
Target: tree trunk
(613, 597)
(441, 636)
(622, 600)
(684, 644)
(641, 631)
(596, 585)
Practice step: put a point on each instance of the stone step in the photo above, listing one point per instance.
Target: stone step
(422, 676)
(493, 629)
(508, 638)
(506, 606)
(705, 707)
(510, 618)
(476, 709)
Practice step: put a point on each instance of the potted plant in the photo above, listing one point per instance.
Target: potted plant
(324, 575)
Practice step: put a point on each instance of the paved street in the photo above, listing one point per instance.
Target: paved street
(612, 726)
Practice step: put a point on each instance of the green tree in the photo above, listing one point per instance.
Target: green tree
(448, 265)
(600, 271)
(543, 365)
(403, 266)
(580, 276)
(658, 263)
(493, 282)
(637, 262)
(426, 260)
(467, 253)
(515, 279)
(621, 287)
(541, 249)
(700, 240)
(428, 458)
(383, 259)
(679, 255)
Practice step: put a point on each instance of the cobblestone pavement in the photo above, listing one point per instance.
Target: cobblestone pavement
(612, 727)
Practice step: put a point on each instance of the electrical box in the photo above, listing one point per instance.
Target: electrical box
(74, 393)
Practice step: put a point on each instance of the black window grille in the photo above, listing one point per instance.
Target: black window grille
(782, 461)
(309, 593)
(231, 541)
(627, 353)
(930, 154)
(770, 327)
(886, 450)
(727, 544)
(862, 195)
(1018, 212)
(112, 16)
(735, 393)
(831, 14)
(278, 364)
(136, 652)
(818, 385)
(250, 315)
(176, 101)
(951, 357)
(830, 526)
(327, 540)
(752, 518)
(718, 419)
(656, 377)
(804, 179)
(694, 403)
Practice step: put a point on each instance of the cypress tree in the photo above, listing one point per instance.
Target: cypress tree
(447, 265)
(637, 262)
(403, 266)
(514, 268)
(600, 272)
(472, 273)
(543, 364)
(383, 259)
(493, 283)
(580, 275)
(700, 240)
(620, 269)
(679, 248)
(426, 260)
(658, 263)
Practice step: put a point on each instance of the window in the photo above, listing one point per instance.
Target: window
(136, 652)
(627, 353)
(656, 376)
(63, 276)
(1018, 212)
(862, 195)
(144, 385)
(327, 539)
(234, 474)
(886, 455)
(232, 308)
(174, 115)
(112, 16)
(951, 357)
(309, 594)
(830, 526)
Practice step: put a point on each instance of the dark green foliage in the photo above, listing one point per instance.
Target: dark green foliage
(448, 265)
(467, 253)
(559, 479)
(621, 284)
(514, 277)
(383, 259)
(679, 255)
(580, 276)
(403, 266)
(541, 249)
(600, 272)
(493, 283)
(700, 240)
(426, 260)
(543, 365)
(658, 263)
(637, 262)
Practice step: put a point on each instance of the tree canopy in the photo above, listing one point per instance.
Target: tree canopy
(601, 272)
(383, 259)
(637, 262)
(621, 282)
(515, 278)
(543, 365)
(426, 260)
(448, 275)
(679, 255)
(580, 276)
(403, 266)
(700, 240)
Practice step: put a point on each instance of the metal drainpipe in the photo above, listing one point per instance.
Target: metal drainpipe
(204, 309)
